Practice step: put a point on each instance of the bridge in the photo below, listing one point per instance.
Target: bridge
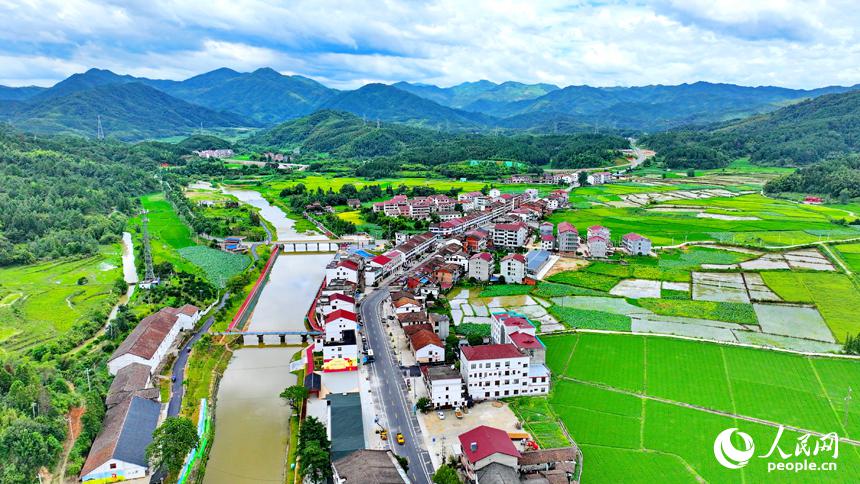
(325, 245)
(261, 335)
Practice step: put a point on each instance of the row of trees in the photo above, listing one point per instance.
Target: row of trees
(838, 177)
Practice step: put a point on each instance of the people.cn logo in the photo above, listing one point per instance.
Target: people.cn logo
(730, 456)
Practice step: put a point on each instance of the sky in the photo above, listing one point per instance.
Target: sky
(799, 44)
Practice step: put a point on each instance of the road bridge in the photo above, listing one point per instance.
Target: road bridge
(261, 336)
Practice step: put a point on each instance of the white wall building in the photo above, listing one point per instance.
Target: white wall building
(444, 386)
(481, 266)
(494, 371)
(513, 268)
(149, 342)
(509, 235)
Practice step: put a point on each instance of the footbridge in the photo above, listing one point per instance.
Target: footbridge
(324, 245)
(247, 336)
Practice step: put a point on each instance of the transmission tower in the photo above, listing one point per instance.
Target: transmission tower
(100, 133)
(147, 252)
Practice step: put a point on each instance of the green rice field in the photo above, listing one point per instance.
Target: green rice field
(647, 409)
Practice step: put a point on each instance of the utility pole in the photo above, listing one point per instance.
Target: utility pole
(100, 133)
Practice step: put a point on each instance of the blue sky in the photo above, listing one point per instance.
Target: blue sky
(800, 44)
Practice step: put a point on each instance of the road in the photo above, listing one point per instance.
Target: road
(391, 390)
(178, 390)
(640, 157)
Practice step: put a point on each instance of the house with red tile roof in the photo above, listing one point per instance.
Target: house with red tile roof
(427, 346)
(509, 235)
(568, 237)
(484, 447)
(481, 266)
(636, 244)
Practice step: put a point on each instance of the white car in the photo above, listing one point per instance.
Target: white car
(441, 415)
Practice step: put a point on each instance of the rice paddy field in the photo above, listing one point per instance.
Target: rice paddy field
(850, 254)
(40, 302)
(172, 241)
(766, 221)
(647, 409)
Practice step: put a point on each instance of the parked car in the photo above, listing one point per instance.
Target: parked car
(441, 415)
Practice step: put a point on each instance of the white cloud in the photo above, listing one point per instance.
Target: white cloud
(782, 42)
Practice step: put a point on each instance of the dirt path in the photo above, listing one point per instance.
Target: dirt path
(769, 423)
(74, 419)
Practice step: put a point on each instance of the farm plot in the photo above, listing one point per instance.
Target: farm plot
(728, 287)
(617, 420)
(850, 254)
(757, 289)
(796, 321)
(636, 288)
(834, 295)
(806, 259)
(218, 266)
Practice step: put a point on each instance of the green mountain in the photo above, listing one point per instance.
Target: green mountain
(85, 81)
(19, 93)
(264, 95)
(800, 134)
(128, 111)
(346, 135)
(388, 103)
(477, 96)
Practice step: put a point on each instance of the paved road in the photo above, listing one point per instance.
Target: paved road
(391, 391)
(178, 374)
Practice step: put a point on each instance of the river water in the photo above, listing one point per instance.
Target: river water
(251, 421)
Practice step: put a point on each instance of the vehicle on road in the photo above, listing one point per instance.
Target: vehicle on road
(441, 415)
(173, 378)
(383, 434)
(369, 356)
(458, 413)
(400, 439)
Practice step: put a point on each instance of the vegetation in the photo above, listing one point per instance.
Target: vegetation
(295, 395)
(589, 319)
(314, 451)
(506, 290)
(446, 474)
(720, 311)
(837, 177)
(171, 442)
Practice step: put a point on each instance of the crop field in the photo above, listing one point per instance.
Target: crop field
(217, 265)
(835, 296)
(650, 403)
(39, 302)
(506, 290)
(587, 318)
(775, 222)
(717, 310)
(850, 254)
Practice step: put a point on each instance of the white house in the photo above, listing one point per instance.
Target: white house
(597, 246)
(344, 269)
(568, 237)
(338, 322)
(149, 342)
(427, 346)
(406, 305)
(333, 302)
(636, 244)
(509, 235)
(494, 371)
(481, 266)
(444, 386)
(513, 268)
(547, 242)
(494, 193)
(119, 450)
(341, 354)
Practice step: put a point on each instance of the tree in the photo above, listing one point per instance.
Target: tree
(475, 340)
(691, 172)
(294, 395)
(582, 177)
(424, 404)
(446, 474)
(314, 450)
(171, 442)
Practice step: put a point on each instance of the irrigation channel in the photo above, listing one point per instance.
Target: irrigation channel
(251, 421)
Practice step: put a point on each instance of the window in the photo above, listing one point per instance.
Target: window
(113, 465)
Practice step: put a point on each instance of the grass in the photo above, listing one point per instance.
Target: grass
(586, 318)
(548, 290)
(217, 265)
(599, 282)
(835, 295)
(719, 311)
(199, 374)
(506, 290)
(473, 329)
(43, 301)
(609, 413)
(673, 294)
(779, 222)
(850, 254)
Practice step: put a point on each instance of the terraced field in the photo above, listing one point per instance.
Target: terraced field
(656, 404)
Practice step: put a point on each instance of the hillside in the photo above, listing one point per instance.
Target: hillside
(471, 96)
(128, 111)
(19, 93)
(346, 135)
(388, 103)
(800, 134)
(264, 95)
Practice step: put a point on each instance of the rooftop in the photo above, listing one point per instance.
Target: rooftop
(490, 352)
(340, 313)
(147, 336)
(367, 465)
(125, 433)
(483, 441)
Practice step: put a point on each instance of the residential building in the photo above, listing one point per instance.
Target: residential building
(441, 324)
(214, 153)
(481, 266)
(336, 301)
(547, 242)
(531, 193)
(636, 244)
(345, 269)
(547, 228)
(119, 450)
(131, 380)
(341, 354)
(513, 268)
(368, 465)
(476, 240)
(338, 322)
(444, 386)
(509, 235)
(426, 346)
(597, 246)
(446, 275)
(494, 371)
(354, 203)
(568, 237)
(149, 342)
(598, 230)
(488, 450)
(599, 178)
(413, 318)
(405, 304)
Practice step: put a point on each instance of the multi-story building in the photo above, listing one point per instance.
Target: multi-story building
(341, 354)
(427, 346)
(488, 455)
(547, 242)
(494, 371)
(598, 230)
(598, 246)
(636, 244)
(481, 266)
(444, 386)
(509, 235)
(476, 240)
(513, 268)
(345, 269)
(547, 228)
(568, 237)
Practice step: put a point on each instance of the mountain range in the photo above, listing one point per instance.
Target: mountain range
(135, 108)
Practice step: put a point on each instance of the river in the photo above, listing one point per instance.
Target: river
(251, 421)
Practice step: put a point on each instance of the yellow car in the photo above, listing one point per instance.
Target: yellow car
(400, 439)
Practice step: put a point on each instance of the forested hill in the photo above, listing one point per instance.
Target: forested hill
(801, 134)
(346, 135)
(63, 195)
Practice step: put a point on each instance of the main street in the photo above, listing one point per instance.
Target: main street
(390, 390)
